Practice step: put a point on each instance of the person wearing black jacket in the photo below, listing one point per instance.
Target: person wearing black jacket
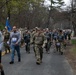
(26, 36)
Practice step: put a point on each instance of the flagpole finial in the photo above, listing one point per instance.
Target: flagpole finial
(7, 18)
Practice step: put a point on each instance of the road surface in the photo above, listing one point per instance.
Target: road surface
(53, 64)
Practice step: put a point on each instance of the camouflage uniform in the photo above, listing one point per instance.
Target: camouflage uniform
(22, 40)
(38, 43)
(31, 39)
(6, 38)
(59, 42)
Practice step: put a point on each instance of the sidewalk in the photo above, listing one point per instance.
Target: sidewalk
(73, 37)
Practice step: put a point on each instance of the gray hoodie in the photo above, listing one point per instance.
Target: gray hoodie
(15, 38)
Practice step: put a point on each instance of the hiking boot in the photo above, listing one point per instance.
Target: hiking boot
(38, 62)
(12, 62)
(19, 60)
(61, 53)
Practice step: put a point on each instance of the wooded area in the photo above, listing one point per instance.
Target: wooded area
(32, 13)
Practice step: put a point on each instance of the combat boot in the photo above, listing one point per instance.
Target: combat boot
(38, 62)
(19, 60)
(12, 62)
(61, 53)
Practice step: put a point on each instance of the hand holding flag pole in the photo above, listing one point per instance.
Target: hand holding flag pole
(8, 26)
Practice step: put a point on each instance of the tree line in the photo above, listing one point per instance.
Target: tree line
(32, 13)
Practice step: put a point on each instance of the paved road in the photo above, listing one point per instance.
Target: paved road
(53, 64)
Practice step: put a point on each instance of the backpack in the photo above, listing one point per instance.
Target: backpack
(60, 38)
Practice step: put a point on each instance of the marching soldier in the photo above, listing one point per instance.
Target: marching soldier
(48, 37)
(6, 38)
(39, 44)
(55, 35)
(31, 39)
(69, 36)
(60, 41)
(26, 36)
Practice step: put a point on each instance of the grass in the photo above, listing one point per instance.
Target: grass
(74, 50)
(73, 41)
(74, 46)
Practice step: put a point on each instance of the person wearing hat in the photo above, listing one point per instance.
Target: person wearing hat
(6, 38)
(26, 36)
(60, 39)
(38, 41)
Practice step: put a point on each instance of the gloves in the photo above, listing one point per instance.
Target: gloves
(8, 42)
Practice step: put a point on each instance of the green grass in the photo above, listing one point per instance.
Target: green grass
(73, 41)
(2, 25)
(74, 47)
(74, 50)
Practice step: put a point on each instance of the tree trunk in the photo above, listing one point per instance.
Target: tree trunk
(49, 15)
(74, 28)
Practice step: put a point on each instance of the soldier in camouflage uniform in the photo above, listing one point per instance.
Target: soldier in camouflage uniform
(38, 40)
(59, 42)
(6, 38)
(34, 31)
(31, 39)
